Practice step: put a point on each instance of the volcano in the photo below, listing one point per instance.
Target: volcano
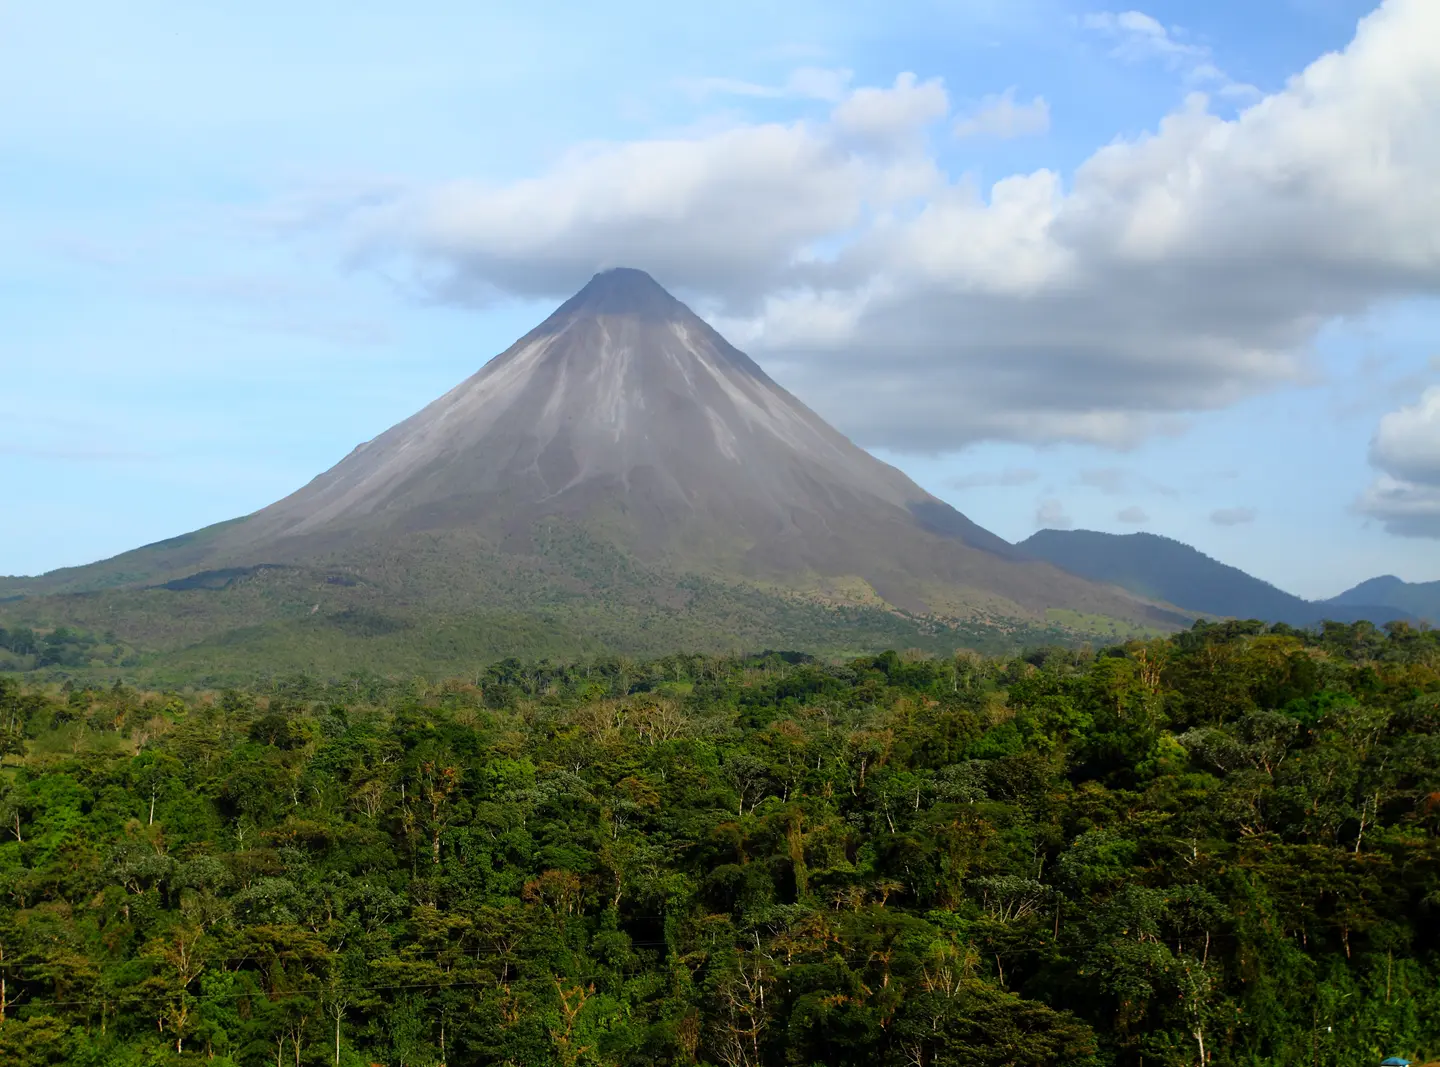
(621, 448)
(626, 408)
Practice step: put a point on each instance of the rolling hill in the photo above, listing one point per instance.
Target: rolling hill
(1420, 599)
(1164, 569)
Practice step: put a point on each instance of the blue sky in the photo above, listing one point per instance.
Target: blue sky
(239, 240)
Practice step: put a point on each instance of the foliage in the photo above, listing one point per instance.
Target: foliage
(1222, 847)
(452, 599)
(22, 648)
(281, 621)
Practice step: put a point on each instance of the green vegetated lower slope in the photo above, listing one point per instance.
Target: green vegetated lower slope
(454, 602)
(1221, 847)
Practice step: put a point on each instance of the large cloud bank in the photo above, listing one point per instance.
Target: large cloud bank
(1173, 273)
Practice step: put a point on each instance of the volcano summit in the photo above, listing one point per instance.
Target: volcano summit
(621, 457)
(625, 409)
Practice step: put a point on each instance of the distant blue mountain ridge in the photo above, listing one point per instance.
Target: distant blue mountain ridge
(1421, 599)
(1168, 570)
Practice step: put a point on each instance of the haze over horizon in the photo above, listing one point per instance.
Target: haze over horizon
(1171, 270)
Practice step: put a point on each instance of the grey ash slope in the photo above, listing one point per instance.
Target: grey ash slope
(626, 416)
(622, 387)
(624, 410)
(622, 395)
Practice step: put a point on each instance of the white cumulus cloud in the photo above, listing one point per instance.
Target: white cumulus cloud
(1174, 272)
(1405, 495)
(1000, 116)
(882, 116)
(1407, 444)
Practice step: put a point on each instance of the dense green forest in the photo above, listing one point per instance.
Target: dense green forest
(24, 649)
(1222, 847)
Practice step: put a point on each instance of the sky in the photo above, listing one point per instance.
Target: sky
(1173, 269)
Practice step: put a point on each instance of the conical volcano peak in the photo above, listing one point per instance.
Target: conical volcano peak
(624, 291)
(616, 450)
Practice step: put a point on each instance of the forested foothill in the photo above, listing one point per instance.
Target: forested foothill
(1220, 847)
(25, 649)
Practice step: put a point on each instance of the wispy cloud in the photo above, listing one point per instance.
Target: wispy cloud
(1118, 481)
(275, 304)
(1134, 516)
(1141, 38)
(1050, 514)
(1004, 479)
(76, 454)
(1233, 516)
(1371, 385)
(805, 83)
